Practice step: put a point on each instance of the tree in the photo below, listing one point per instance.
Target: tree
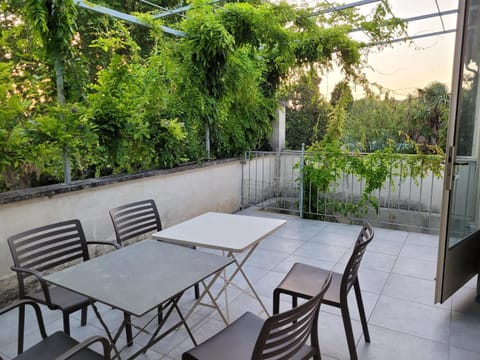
(306, 112)
(431, 114)
(341, 91)
(54, 22)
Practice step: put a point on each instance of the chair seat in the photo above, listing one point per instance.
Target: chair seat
(306, 281)
(64, 299)
(55, 345)
(236, 342)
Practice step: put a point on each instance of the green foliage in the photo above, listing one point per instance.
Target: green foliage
(306, 110)
(430, 114)
(125, 112)
(372, 123)
(54, 23)
(134, 98)
(328, 162)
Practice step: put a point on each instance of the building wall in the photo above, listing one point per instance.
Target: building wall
(179, 195)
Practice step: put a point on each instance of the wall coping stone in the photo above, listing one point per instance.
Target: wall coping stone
(56, 189)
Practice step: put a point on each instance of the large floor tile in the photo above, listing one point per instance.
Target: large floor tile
(335, 239)
(369, 302)
(466, 331)
(299, 230)
(463, 301)
(379, 262)
(412, 289)
(416, 268)
(266, 258)
(422, 239)
(461, 354)
(412, 318)
(287, 264)
(392, 345)
(392, 235)
(332, 338)
(372, 280)
(419, 252)
(385, 246)
(269, 282)
(281, 244)
(321, 251)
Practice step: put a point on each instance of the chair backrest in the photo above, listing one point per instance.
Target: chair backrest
(47, 247)
(285, 334)
(351, 270)
(135, 219)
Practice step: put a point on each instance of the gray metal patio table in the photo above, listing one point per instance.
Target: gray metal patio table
(232, 234)
(139, 278)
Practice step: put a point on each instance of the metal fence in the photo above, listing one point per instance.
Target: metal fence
(272, 180)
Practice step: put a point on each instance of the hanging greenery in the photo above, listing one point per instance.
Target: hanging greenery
(138, 99)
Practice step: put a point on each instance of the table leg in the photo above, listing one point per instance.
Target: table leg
(239, 269)
(112, 339)
(205, 292)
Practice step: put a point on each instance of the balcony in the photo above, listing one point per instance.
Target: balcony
(397, 279)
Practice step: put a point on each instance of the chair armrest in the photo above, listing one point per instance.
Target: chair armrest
(36, 307)
(114, 244)
(86, 343)
(38, 275)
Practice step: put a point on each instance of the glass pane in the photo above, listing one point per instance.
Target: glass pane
(463, 210)
(468, 97)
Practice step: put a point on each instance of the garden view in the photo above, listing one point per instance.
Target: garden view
(85, 95)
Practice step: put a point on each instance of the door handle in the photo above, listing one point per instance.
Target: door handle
(449, 173)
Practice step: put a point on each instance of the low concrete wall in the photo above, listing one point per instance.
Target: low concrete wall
(179, 194)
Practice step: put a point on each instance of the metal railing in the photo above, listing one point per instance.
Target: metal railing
(273, 181)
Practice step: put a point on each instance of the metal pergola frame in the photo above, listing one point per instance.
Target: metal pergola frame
(136, 20)
(177, 33)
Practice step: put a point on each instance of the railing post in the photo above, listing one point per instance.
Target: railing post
(300, 187)
(243, 163)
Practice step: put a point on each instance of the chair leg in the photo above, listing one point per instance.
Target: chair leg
(276, 302)
(347, 324)
(83, 317)
(294, 301)
(160, 314)
(128, 329)
(66, 323)
(363, 318)
(21, 328)
(197, 291)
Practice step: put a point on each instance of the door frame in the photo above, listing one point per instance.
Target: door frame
(458, 264)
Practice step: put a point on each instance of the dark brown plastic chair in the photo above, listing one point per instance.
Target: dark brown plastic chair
(43, 249)
(133, 220)
(303, 281)
(136, 219)
(281, 336)
(59, 345)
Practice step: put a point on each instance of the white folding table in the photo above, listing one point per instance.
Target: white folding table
(229, 233)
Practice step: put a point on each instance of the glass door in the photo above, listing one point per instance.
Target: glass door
(459, 248)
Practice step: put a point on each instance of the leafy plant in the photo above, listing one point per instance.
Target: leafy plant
(328, 162)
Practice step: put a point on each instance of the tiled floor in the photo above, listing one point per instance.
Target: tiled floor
(396, 276)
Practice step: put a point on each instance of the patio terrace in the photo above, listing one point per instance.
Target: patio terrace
(397, 280)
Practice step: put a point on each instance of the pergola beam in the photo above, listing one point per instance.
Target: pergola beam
(177, 10)
(172, 12)
(421, 17)
(442, 32)
(342, 7)
(123, 16)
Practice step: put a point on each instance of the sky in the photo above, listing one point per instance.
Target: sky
(407, 66)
